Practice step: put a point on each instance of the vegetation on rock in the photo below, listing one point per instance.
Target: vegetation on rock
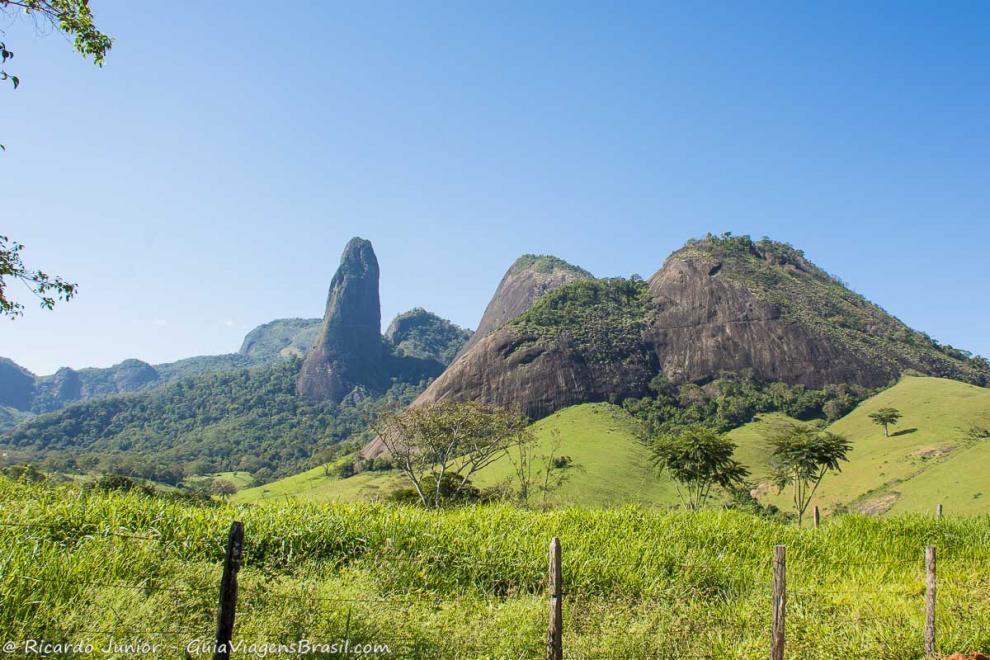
(602, 319)
(422, 334)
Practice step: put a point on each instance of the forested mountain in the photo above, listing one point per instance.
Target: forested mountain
(248, 419)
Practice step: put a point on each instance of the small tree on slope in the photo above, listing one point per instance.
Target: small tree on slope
(886, 417)
(801, 456)
(699, 458)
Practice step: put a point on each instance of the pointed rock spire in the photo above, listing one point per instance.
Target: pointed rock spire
(348, 351)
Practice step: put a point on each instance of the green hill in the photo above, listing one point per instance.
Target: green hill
(929, 458)
(610, 466)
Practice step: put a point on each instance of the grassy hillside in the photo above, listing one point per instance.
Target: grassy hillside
(927, 455)
(928, 458)
(85, 565)
(610, 466)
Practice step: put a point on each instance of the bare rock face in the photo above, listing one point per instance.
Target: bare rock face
(721, 304)
(527, 279)
(348, 351)
(510, 369)
(132, 374)
(704, 322)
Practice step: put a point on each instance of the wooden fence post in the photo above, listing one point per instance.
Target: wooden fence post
(555, 645)
(818, 517)
(779, 602)
(938, 512)
(228, 592)
(929, 601)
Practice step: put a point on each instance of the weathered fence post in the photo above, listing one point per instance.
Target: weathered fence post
(228, 592)
(938, 512)
(555, 645)
(779, 602)
(818, 517)
(929, 601)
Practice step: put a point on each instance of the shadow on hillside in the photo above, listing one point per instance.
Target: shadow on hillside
(902, 432)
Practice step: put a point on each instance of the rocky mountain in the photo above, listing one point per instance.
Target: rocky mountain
(16, 385)
(348, 351)
(718, 304)
(529, 277)
(281, 338)
(422, 334)
(350, 355)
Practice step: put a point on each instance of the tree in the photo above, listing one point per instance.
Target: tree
(801, 456)
(223, 488)
(74, 19)
(885, 417)
(437, 442)
(699, 458)
(71, 17)
(544, 471)
(48, 289)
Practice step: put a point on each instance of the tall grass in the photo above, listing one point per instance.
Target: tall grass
(469, 582)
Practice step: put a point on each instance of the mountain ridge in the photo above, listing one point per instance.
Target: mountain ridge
(722, 303)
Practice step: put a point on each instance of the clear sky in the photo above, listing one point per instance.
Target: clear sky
(206, 179)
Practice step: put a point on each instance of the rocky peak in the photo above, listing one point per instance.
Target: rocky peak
(348, 350)
(527, 279)
(719, 304)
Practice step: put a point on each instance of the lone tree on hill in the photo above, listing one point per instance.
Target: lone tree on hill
(885, 417)
(439, 446)
(699, 458)
(801, 456)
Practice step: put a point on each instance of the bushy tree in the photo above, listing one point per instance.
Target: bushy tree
(433, 443)
(801, 456)
(223, 488)
(886, 417)
(699, 458)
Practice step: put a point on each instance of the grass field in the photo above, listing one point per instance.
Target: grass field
(928, 458)
(238, 478)
(469, 583)
(610, 466)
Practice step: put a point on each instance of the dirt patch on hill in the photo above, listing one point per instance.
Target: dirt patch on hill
(879, 505)
(929, 453)
(761, 490)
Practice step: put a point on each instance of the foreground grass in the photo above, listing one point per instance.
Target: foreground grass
(470, 582)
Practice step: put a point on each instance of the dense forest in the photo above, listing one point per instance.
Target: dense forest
(734, 399)
(249, 419)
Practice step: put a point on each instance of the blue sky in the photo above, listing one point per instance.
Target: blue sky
(206, 179)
